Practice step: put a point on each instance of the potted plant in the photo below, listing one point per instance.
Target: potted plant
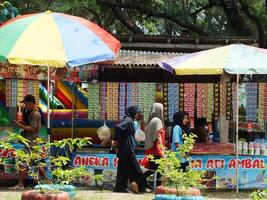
(35, 155)
(177, 184)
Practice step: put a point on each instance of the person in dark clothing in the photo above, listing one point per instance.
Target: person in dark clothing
(180, 127)
(200, 130)
(128, 166)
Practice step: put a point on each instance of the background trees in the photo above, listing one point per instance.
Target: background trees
(217, 18)
(7, 11)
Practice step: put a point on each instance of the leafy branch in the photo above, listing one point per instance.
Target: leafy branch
(169, 167)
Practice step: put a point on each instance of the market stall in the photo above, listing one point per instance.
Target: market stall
(232, 59)
(61, 46)
(217, 102)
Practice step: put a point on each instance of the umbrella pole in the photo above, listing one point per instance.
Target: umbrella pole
(237, 134)
(48, 103)
(72, 112)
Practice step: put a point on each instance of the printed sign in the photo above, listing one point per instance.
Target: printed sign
(251, 168)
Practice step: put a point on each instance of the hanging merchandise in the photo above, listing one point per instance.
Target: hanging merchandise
(199, 103)
(159, 92)
(165, 102)
(112, 98)
(234, 104)
(132, 94)
(122, 95)
(8, 93)
(16, 89)
(103, 93)
(173, 99)
(14, 92)
(21, 91)
(216, 101)
(36, 91)
(223, 99)
(265, 101)
(181, 97)
(146, 97)
(189, 99)
(229, 101)
(210, 103)
(205, 100)
(261, 103)
(150, 97)
(93, 101)
(251, 108)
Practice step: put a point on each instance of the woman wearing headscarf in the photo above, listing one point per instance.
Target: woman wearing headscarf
(155, 138)
(128, 166)
(180, 127)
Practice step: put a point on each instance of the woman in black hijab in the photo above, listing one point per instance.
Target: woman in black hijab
(128, 166)
(180, 127)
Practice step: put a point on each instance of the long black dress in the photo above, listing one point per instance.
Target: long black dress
(128, 166)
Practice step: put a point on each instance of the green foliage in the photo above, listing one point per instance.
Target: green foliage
(99, 178)
(259, 194)
(169, 167)
(72, 143)
(178, 18)
(33, 156)
(7, 11)
(67, 176)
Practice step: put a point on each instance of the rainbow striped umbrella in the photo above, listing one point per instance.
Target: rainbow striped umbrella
(55, 39)
(233, 59)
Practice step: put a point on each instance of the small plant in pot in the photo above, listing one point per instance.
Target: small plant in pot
(176, 183)
(34, 157)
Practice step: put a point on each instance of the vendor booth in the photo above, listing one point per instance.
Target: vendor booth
(61, 46)
(213, 104)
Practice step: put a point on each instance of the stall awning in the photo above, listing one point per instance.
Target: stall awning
(233, 59)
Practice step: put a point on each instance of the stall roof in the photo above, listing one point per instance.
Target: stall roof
(138, 57)
(131, 57)
(141, 66)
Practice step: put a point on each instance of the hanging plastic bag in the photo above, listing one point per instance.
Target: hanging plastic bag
(140, 135)
(103, 132)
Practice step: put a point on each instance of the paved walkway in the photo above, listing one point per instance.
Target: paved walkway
(107, 195)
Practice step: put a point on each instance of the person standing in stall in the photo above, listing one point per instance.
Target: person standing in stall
(31, 126)
(180, 127)
(128, 167)
(155, 142)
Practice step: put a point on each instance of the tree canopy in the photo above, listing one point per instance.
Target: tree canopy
(7, 11)
(216, 18)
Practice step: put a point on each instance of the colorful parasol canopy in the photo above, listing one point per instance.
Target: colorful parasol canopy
(55, 39)
(233, 59)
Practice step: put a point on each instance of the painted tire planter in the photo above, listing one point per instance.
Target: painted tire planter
(174, 197)
(36, 195)
(187, 192)
(70, 189)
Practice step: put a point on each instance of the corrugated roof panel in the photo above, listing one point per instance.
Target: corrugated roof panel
(131, 57)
